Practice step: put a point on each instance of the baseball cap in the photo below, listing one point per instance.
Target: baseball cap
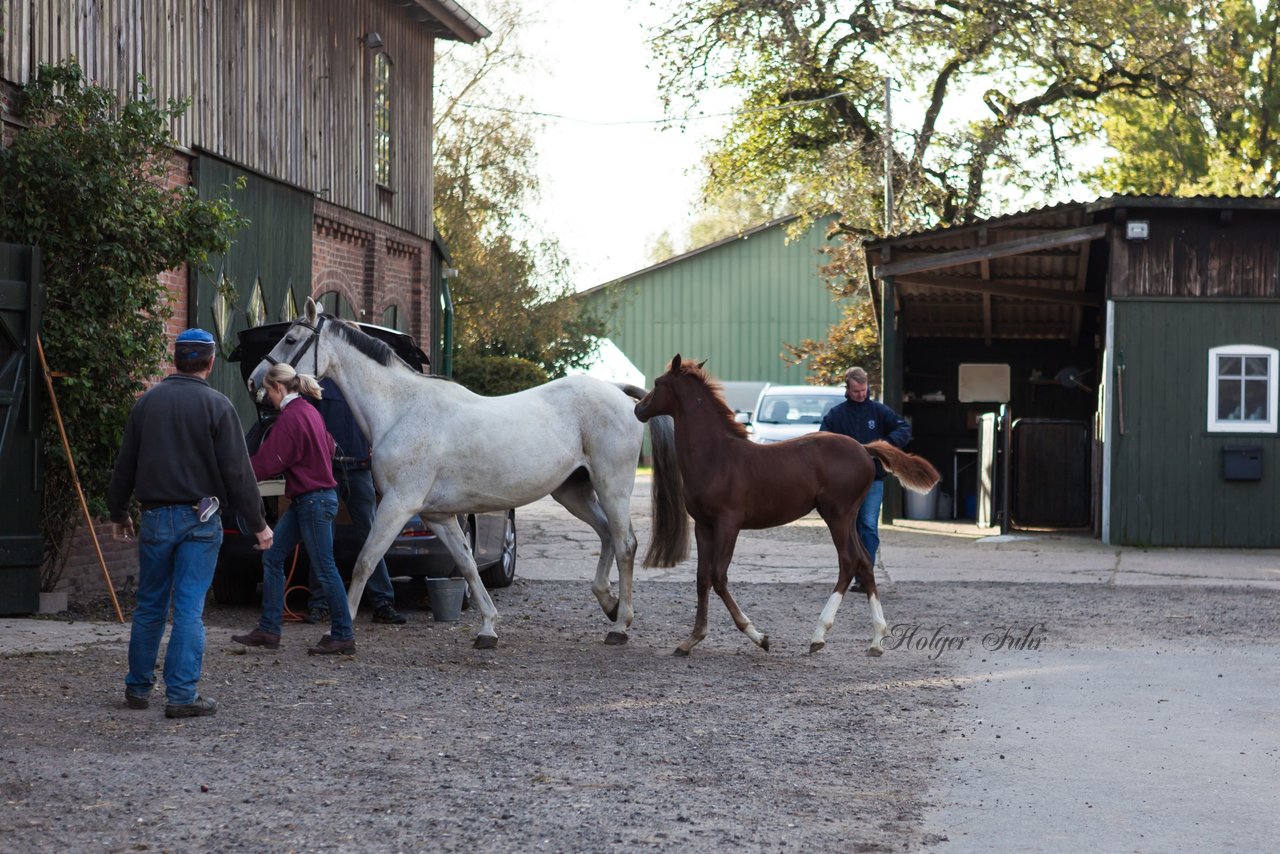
(194, 336)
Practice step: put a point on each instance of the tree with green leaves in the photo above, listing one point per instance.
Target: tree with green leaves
(1218, 138)
(512, 279)
(84, 180)
(991, 102)
(990, 95)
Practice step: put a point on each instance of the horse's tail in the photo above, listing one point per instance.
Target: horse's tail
(669, 538)
(916, 473)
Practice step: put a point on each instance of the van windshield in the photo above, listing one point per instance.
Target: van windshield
(795, 408)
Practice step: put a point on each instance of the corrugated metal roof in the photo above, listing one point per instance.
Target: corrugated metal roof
(1022, 275)
(1099, 204)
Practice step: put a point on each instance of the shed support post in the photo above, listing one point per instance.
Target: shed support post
(890, 382)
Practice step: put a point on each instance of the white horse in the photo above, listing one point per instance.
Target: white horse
(440, 450)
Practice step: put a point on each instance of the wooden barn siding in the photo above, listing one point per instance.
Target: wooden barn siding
(734, 305)
(280, 86)
(1166, 481)
(1193, 253)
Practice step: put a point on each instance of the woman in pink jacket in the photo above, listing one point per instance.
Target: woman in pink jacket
(299, 446)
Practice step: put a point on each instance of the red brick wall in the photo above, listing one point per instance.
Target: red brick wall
(373, 265)
(83, 575)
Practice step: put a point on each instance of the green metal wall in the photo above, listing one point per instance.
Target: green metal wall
(271, 255)
(1166, 476)
(735, 304)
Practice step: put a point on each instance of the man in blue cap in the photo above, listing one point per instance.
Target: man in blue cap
(183, 457)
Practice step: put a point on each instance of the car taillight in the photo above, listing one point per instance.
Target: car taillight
(416, 528)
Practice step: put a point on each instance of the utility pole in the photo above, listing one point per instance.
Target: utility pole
(888, 155)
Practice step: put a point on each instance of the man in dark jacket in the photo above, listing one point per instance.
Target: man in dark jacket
(867, 420)
(351, 469)
(183, 456)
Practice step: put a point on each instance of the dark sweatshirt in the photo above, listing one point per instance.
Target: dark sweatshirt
(183, 442)
(299, 447)
(868, 421)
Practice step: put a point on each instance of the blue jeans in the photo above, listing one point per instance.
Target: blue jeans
(176, 557)
(309, 519)
(355, 488)
(869, 519)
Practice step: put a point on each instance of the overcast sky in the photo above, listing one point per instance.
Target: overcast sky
(612, 179)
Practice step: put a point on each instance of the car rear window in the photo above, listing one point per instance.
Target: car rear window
(795, 408)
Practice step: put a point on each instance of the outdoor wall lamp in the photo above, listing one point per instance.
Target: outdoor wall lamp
(371, 40)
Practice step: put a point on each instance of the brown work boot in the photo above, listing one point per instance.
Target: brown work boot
(136, 701)
(329, 646)
(258, 637)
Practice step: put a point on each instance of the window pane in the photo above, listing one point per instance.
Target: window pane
(1255, 366)
(382, 119)
(1255, 400)
(290, 304)
(1228, 366)
(1228, 400)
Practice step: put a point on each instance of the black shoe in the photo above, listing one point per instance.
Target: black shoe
(134, 701)
(329, 646)
(258, 637)
(317, 616)
(388, 614)
(200, 708)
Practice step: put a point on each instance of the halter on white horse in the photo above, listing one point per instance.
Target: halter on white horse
(440, 450)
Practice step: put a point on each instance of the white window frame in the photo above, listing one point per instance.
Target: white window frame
(1216, 425)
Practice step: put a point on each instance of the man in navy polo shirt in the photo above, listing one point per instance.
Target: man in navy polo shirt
(867, 420)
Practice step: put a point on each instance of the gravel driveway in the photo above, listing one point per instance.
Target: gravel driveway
(556, 742)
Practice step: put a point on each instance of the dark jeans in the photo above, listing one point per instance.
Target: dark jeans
(309, 519)
(355, 488)
(869, 519)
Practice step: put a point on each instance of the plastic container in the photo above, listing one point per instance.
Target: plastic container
(446, 595)
(944, 508)
(922, 506)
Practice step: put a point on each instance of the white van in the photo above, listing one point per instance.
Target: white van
(786, 411)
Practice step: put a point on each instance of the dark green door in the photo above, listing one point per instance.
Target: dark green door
(269, 266)
(21, 387)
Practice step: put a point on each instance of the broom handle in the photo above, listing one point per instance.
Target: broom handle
(75, 479)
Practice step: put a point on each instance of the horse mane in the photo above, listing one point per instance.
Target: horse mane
(379, 351)
(694, 370)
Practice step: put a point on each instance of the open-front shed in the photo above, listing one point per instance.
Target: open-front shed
(1108, 366)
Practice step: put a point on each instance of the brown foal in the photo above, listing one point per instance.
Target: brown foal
(731, 484)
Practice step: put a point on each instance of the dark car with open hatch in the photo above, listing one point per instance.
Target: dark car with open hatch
(416, 552)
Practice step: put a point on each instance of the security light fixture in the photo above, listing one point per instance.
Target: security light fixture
(1137, 229)
(373, 41)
